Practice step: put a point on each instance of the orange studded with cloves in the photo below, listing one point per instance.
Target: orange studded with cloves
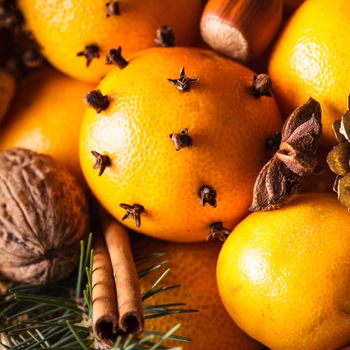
(75, 36)
(180, 142)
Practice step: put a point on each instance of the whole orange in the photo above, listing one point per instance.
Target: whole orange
(64, 28)
(193, 268)
(46, 117)
(311, 59)
(7, 89)
(284, 275)
(226, 124)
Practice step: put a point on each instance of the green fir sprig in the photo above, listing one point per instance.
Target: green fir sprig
(58, 317)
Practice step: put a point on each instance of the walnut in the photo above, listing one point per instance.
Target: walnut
(43, 216)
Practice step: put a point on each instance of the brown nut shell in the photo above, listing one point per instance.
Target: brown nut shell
(43, 216)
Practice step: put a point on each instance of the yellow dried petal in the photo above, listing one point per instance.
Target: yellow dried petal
(344, 190)
(338, 159)
(336, 128)
(345, 125)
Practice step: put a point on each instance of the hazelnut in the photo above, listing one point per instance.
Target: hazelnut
(241, 29)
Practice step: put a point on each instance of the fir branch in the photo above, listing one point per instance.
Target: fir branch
(58, 317)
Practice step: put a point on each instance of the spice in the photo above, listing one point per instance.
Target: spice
(105, 318)
(97, 100)
(165, 37)
(112, 8)
(207, 195)
(134, 212)
(296, 158)
(181, 140)
(184, 83)
(126, 280)
(117, 303)
(218, 231)
(262, 85)
(114, 56)
(90, 52)
(338, 158)
(102, 162)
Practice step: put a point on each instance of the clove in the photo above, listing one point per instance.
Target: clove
(97, 100)
(114, 56)
(262, 85)
(207, 195)
(90, 52)
(165, 36)
(133, 212)
(112, 8)
(181, 140)
(218, 231)
(184, 82)
(102, 162)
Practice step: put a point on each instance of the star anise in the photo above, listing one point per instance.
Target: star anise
(296, 158)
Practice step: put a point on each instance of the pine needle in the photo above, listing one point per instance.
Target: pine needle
(58, 317)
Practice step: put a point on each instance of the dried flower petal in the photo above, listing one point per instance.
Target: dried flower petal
(336, 184)
(338, 159)
(344, 128)
(343, 190)
(336, 128)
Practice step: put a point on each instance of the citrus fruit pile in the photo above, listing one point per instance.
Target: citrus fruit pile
(182, 118)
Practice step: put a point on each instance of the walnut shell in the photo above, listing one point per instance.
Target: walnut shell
(43, 216)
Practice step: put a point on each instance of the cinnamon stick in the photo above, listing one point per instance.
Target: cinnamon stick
(125, 276)
(105, 311)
